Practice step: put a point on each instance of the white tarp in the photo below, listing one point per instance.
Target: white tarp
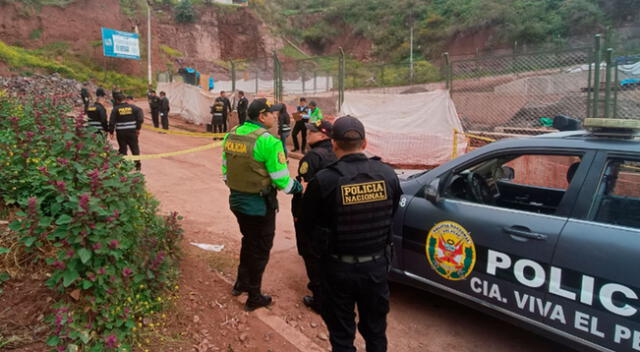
(408, 129)
(321, 84)
(189, 101)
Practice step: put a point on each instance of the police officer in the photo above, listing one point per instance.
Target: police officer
(164, 110)
(348, 208)
(243, 103)
(84, 95)
(254, 167)
(227, 107)
(320, 156)
(299, 126)
(97, 114)
(154, 107)
(218, 116)
(126, 120)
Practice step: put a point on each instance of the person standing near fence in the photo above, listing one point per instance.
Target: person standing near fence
(218, 116)
(315, 114)
(154, 107)
(299, 127)
(227, 108)
(254, 168)
(164, 110)
(243, 103)
(284, 126)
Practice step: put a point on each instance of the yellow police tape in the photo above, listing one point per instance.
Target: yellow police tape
(186, 133)
(180, 152)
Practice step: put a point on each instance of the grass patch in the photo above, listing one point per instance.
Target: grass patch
(71, 67)
(35, 34)
(171, 52)
(291, 52)
(222, 262)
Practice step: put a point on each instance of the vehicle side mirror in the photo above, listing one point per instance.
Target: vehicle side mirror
(432, 191)
(508, 173)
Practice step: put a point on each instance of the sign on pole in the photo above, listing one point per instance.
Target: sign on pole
(122, 45)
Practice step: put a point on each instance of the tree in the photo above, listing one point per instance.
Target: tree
(185, 13)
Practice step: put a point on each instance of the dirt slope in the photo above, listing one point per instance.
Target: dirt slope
(219, 34)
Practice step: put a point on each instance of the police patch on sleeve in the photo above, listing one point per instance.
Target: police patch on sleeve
(364, 192)
(281, 158)
(304, 167)
(450, 250)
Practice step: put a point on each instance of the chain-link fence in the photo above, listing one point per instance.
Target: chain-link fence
(519, 93)
(361, 75)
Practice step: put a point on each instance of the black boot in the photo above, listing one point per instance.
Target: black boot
(257, 301)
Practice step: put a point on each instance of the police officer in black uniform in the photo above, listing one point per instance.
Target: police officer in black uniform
(97, 114)
(348, 209)
(126, 120)
(242, 106)
(154, 107)
(84, 94)
(320, 156)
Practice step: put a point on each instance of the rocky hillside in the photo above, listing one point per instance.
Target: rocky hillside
(220, 33)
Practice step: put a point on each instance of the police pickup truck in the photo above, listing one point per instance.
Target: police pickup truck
(541, 231)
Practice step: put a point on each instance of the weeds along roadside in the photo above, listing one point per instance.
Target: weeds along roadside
(83, 214)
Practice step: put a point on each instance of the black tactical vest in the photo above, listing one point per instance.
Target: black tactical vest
(364, 210)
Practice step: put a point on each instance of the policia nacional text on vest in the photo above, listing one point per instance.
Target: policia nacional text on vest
(126, 120)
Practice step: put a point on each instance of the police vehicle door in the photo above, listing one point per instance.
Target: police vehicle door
(494, 248)
(596, 260)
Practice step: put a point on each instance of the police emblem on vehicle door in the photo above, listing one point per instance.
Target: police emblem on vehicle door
(450, 250)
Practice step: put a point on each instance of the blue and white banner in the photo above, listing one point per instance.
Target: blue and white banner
(122, 45)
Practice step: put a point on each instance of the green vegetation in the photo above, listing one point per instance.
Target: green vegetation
(84, 216)
(386, 23)
(35, 34)
(185, 13)
(70, 67)
(171, 52)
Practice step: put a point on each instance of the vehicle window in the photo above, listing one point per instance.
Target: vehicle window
(529, 182)
(617, 200)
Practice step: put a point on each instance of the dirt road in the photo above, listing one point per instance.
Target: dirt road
(192, 185)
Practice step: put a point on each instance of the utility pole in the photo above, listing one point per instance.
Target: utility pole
(411, 21)
(149, 73)
(411, 54)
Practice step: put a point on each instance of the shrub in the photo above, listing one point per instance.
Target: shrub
(112, 258)
(17, 57)
(185, 12)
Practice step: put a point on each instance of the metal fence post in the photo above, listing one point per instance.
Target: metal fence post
(341, 78)
(233, 76)
(607, 88)
(447, 71)
(315, 81)
(615, 91)
(596, 80)
(589, 86)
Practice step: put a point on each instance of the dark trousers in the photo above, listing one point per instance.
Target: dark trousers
(257, 240)
(297, 128)
(218, 128)
(129, 139)
(224, 123)
(155, 117)
(242, 117)
(164, 116)
(347, 285)
(312, 264)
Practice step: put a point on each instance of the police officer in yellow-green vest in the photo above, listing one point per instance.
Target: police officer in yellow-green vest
(254, 167)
